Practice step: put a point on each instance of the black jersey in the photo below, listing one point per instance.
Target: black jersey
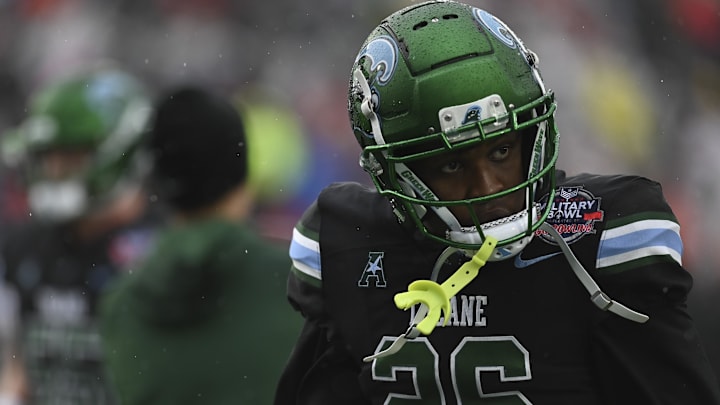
(59, 280)
(524, 331)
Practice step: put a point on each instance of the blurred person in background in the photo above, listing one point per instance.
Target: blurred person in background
(78, 152)
(204, 320)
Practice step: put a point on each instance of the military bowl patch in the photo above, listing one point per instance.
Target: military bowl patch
(573, 214)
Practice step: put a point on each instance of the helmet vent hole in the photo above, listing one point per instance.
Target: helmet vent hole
(420, 25)
(450, 17)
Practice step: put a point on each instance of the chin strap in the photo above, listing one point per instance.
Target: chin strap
(599, 298)
(435, 298)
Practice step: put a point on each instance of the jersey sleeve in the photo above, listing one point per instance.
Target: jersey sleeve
(642, 231)
(305, 279)
(319, 370)
(639, 263)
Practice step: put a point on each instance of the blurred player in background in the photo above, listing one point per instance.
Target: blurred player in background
(521, 284)
(204, 320)
(78, 153)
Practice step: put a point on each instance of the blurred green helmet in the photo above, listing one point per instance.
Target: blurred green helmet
(440, 76)
(101, 117)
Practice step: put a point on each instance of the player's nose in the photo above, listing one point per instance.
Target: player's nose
(483, 181)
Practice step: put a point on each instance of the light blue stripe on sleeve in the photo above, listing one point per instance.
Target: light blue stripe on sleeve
(638, 240)
(305, 254)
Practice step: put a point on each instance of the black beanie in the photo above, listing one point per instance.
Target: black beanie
(198, 144)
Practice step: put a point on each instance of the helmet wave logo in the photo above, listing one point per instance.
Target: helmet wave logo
(496, 27)
(383, 55)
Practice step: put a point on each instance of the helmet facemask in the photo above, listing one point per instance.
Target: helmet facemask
(389, 166)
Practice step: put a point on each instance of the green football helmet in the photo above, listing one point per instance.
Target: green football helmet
(99, 116)
(439, 76)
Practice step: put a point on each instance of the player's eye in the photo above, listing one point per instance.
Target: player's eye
(500, 153)
(451, 167)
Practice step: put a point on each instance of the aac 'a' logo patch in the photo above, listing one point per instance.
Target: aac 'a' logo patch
(373, 271)
(573, 214)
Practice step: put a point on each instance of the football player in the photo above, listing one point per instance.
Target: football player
(475, 272)
(78, 150)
